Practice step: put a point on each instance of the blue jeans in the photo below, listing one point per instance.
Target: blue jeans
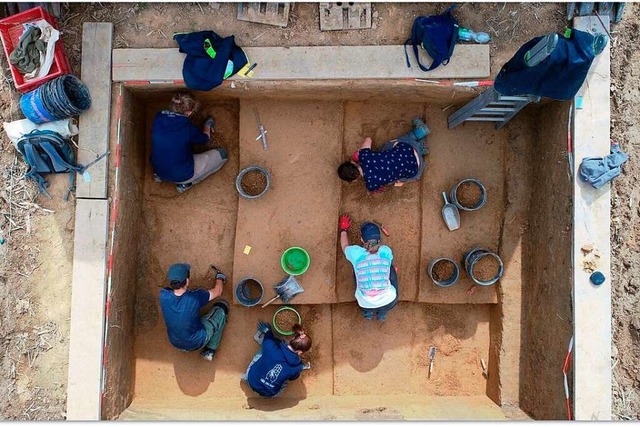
(417, 144)
(382, 312)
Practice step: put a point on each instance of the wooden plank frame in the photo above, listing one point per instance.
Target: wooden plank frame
(94, 123)
(592, 219)
(87, 310)
(310, 63)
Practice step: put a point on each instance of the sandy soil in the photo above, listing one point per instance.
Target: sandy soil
(625, 221)
(35, 388)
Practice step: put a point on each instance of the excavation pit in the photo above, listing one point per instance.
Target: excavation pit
(358, 366)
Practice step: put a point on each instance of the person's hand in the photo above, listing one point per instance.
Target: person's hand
(398, 184)
(264, 327)
(221, 276)
(356, 156)
(210, 122)
(345, 222)
(306, 366)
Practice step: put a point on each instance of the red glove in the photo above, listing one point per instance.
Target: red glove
(355, 156)
(345, 222)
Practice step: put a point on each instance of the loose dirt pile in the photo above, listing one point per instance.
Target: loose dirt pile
(286, 319)
(252, 289)
(253, 183)
(469, 195)
(486, 268)
(443, 270)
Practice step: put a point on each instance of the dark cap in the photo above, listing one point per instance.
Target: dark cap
(370, 231)
(178, 272)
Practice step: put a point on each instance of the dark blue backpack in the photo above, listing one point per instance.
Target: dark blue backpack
(45, 152)
(437, 35)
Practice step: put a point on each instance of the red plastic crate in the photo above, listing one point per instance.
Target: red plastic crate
(10, 31)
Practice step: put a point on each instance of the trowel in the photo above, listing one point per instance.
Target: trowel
(450, 214)
(432, 357)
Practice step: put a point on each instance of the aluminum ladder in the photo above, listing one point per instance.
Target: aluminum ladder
(490, 106)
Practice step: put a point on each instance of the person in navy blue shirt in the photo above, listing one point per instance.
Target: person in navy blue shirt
(277, 362)
(172, 137)
(400, 160)
(187, 330)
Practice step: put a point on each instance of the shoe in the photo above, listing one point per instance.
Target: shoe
(156, 178)
(382, 317)
(420, 129)
(224, 305)
(183, 187)
(207, 353)
(368, 316)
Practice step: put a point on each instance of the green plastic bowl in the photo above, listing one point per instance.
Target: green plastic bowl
(275, 323)
(295, 261)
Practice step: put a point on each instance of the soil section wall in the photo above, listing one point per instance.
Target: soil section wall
(199, 227)
(546, 299)
(128, 157)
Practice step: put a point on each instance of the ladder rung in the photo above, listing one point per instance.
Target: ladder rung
(497, 110)
(514, 98)
(485, 119)
(504, 104)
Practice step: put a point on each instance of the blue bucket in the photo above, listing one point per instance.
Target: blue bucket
(249, 291)
(32, 106)
(60, 98)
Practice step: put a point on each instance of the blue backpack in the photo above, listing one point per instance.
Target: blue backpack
(437, 35)
(46, 152)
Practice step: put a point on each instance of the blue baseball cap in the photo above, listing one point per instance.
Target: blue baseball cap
(178, 272)
(370, 231)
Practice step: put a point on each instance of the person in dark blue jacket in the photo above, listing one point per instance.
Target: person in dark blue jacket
(277, 362)
(173, 135)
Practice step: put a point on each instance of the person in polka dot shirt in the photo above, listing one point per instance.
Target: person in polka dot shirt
(400, 160)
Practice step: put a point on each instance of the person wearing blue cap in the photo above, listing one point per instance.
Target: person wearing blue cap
(400, 160)
(375, 275)
(187, 330)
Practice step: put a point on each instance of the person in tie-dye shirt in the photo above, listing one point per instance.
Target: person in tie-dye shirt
(376, 278)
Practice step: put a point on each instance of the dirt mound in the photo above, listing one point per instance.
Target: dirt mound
(469, 194)
(443, 270)
(253, 183)
(486, 268)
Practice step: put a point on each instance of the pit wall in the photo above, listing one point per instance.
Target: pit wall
(128, 159)
(546, 300)
(510, 382)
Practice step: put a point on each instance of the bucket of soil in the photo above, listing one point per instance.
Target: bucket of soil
(484, 267)
(443, 271)
(469, 194)
(295, 261)
(252, 182)
(284, 319)
(249, 292)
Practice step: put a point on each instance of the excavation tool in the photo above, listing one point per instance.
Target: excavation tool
(263, 132)
(484, 368)
(450, 214)
(285, 290)
(432, 357)
(384, 230)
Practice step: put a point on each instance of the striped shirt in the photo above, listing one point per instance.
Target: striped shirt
(373, 288)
